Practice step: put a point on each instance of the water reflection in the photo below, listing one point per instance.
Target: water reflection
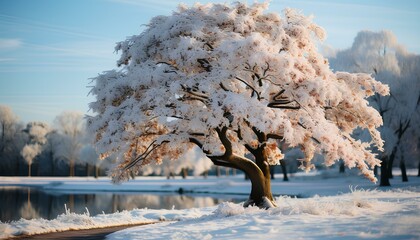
(27, 211)
(28, 203)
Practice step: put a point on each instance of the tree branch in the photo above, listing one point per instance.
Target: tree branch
(274, 136)
(209, 46)
(205, 64)
(195, 92)
(250, 149)
(199, 144)
(224, 88)
(222, 133)
(252, 88)
(260, 135)
(144, 155)
(316, 140)
(282, 102)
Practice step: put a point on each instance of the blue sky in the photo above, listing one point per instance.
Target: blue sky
(50, 48)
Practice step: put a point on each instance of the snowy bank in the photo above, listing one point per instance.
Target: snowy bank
(360, 214)
(390, 214)
(72, 221)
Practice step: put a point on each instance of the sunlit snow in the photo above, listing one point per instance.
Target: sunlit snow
(333, 206)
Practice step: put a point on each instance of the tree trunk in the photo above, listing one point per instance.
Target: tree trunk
(52, 167)
(391, 161)
(403, 170)
(71, 168)
(272, 172)
(384, 181)
(18, 167)
(3, 142)
(184, 173)
(52, 163)
(261, 183)
(260, 195)
(87, 169)
(284, 170)
(29, 169)
(217, 171)
(418, 173)
(96, 171)
(258, 171)
(342, 167)
(260, 191)
(38, 168)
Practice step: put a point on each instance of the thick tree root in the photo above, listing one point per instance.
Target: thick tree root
(264, 203)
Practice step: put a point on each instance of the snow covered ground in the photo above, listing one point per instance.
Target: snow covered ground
(334, 207)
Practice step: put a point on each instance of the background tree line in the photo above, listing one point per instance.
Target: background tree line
(38, 149)
(64, 149)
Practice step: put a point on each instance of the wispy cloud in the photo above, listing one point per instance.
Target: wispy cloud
(78, 49)
(84, 56)
(161, 5)
(3, 60)
(362, 5)
(24, 24)
(9, 43)
(88, 53)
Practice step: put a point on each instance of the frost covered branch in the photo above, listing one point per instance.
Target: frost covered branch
(283, 102)
(153, 146)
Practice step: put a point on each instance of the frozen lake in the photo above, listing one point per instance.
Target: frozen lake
(29, 203)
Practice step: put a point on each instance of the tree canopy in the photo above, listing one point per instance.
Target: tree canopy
(231, 79)
(380, 54)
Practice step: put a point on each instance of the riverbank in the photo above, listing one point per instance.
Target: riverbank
(88, 234)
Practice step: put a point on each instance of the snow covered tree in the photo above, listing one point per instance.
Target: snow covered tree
(12, 140)
(231, 79)
(405, 118)
(89, 156)
(380, 54)
(37, 132)
(7, 120)
(50, 148)
(71, 127)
